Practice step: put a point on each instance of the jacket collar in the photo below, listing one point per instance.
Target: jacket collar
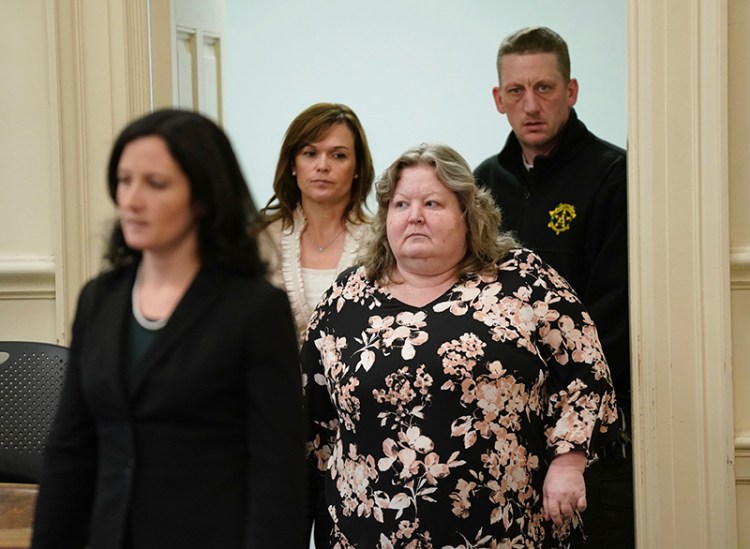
(571, 137)
(199, 296)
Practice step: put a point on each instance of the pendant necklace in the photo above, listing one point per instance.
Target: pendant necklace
(322, 249)
(146, 323)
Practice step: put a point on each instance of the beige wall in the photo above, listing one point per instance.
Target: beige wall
(29, 220)
(74, 74)
(79, 73)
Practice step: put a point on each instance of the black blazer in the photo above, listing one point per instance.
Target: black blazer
(202, 448)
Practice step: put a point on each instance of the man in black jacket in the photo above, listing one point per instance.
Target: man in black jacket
(562, 191)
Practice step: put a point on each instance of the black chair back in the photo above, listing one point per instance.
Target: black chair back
(31, 376)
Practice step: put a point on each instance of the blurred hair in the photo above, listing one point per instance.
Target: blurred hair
(536, 40)
(310, 126)
(228, 216)
(485, 246)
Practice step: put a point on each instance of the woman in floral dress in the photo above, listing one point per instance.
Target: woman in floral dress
(456, 385)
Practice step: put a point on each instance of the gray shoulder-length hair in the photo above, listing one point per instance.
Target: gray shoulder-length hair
(485, 245)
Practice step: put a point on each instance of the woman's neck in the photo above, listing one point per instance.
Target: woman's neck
(322, 240)
(322, 219)
(418, 288)
(163, 282)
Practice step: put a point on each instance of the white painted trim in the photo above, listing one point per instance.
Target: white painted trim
(102, 82)
(740, 265)
(742, 456)
(27, 277)
(56, 167)
(138, 46)
(680, 314)
(742, 441)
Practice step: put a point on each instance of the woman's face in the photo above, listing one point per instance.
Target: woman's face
(425, 228)
(153, 197)
(325, 169)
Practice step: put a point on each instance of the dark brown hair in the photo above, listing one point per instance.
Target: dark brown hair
(203, 152)
(310, 126)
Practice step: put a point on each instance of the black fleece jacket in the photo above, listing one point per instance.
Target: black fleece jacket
(571, 208)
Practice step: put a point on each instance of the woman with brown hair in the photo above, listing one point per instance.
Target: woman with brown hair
(316, 218)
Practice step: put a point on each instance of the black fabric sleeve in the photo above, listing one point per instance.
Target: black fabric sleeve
(606, 295)
(275, 428)
(66, 492)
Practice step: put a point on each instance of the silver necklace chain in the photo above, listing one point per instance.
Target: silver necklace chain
(322, 249)
(146, 323)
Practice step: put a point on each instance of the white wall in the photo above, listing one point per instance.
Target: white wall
(413, 71)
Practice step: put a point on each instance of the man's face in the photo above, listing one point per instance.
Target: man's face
(536, 99)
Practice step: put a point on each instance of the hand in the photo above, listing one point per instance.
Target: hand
(564, 489)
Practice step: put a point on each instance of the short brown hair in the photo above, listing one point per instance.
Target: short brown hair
(536, 40)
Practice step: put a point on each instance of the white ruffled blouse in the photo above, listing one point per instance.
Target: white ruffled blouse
(280, 249)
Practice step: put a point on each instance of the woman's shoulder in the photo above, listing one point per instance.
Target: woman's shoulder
(355, 271)
(521, 264)
(351, 283)
(270, 236)
(108, 279)
(532, 269)
(234, 280)
(522, 258)
(358, 230)
(278, 244)
(239, 290)
(94, 291)
(269, 247)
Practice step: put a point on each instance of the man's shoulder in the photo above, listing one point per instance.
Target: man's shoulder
(489, 164)
(490, 170)
(585, 156)
(591, 144)
(603, 160)
(607, 149)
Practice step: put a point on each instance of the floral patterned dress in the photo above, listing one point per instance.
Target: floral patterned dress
(433, 426)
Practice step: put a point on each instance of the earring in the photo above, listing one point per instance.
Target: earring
(294, 173)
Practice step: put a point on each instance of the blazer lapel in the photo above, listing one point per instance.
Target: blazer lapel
(201, 293)
(109, 329)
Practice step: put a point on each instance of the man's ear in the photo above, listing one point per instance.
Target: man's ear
(498, 100)
(572, 92)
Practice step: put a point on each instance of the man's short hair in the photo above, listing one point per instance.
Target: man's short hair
(536, 40)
